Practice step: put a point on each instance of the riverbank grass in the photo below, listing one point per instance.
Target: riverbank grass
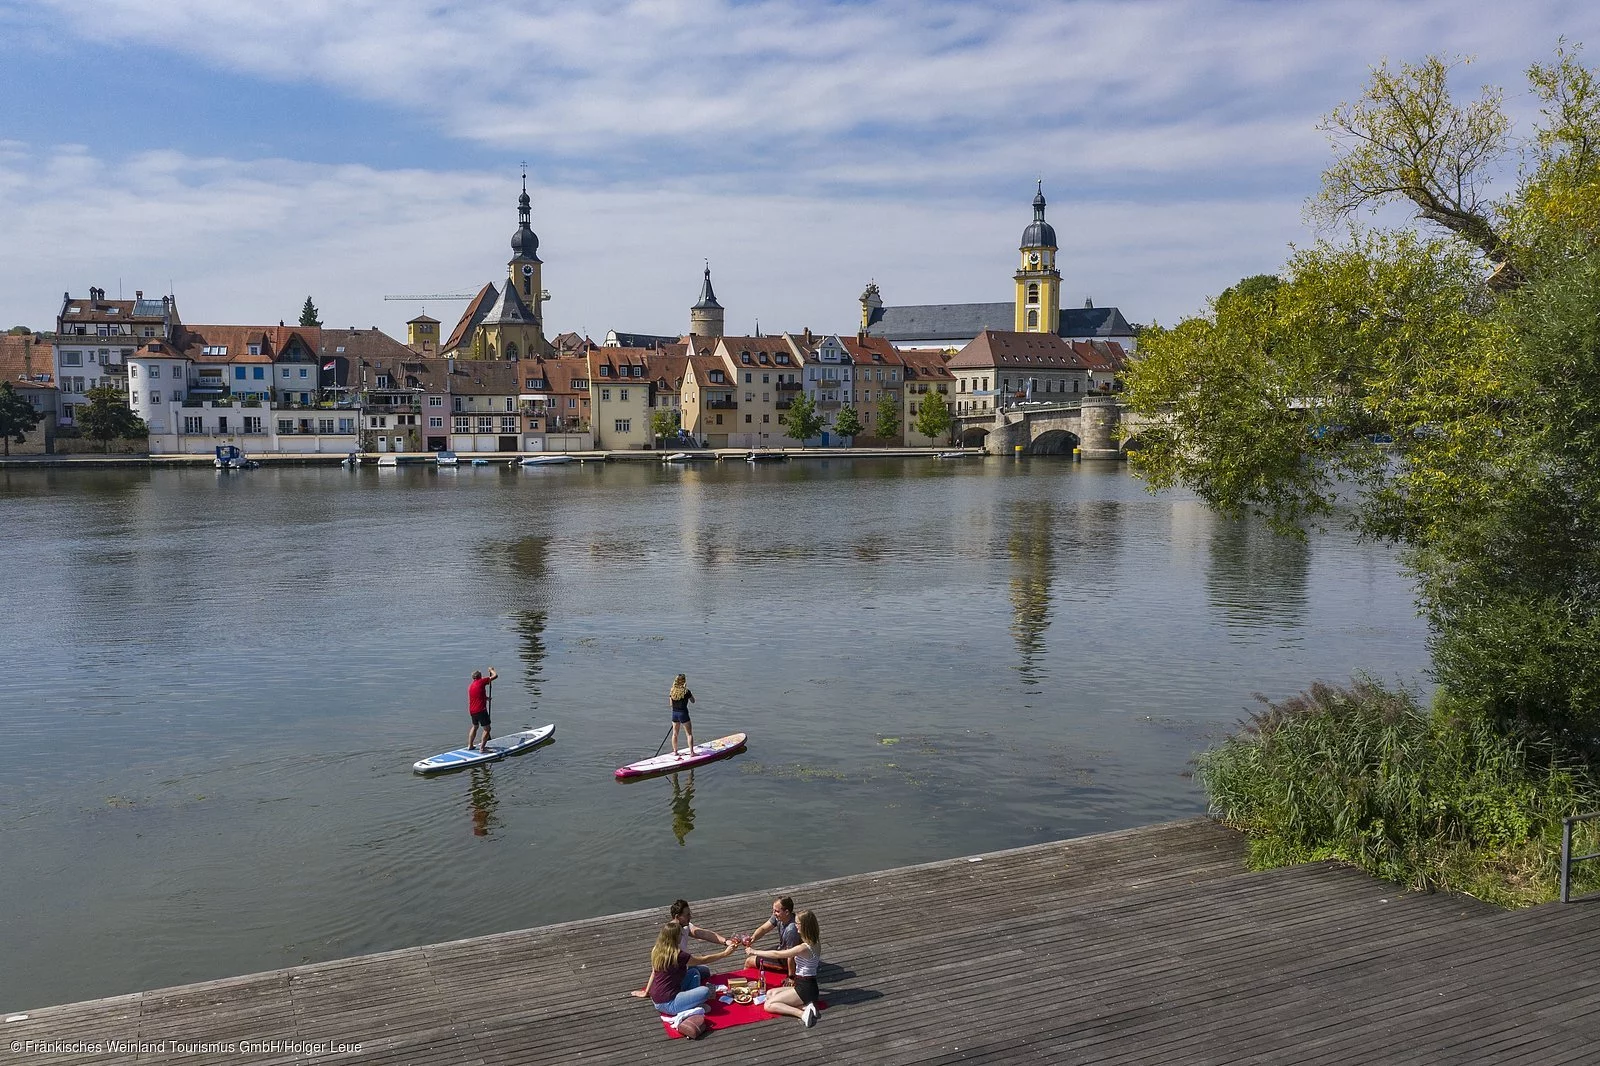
(1422, 797)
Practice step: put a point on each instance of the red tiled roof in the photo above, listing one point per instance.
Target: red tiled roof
(26, 358)
(1020, 351)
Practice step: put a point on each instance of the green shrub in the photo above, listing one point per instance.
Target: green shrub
(1430, 800)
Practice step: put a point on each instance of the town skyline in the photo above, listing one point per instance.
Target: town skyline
(245, 157)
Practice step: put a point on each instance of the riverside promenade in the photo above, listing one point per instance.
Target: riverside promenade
(1150, 945)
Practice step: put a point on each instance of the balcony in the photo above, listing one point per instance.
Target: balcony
(722, 405)
(790, 386)
(785, 403)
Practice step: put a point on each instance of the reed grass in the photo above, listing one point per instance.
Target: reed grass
(1430, 799)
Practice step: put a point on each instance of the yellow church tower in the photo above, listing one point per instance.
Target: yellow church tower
(1038, 280)
(513, 327)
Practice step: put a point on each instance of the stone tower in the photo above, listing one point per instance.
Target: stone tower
(705, 317)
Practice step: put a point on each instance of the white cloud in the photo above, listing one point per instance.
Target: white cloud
(246, 241)
(803, 148)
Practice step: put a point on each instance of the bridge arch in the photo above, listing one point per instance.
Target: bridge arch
(1054, 442)
(973, 436)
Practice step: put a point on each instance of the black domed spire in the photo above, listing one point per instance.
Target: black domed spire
(1039, 234)
(524, 242)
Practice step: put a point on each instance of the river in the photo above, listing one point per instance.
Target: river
(216, 685)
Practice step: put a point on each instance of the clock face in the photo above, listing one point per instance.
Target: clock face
(527, 271)
(1033, 257)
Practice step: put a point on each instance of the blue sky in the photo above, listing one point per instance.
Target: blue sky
(246, 154)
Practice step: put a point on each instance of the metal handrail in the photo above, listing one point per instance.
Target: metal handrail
(1567, 858)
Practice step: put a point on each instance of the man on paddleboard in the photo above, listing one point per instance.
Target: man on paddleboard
(478, 706)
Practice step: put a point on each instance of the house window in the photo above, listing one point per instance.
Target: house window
(285, 371)
(747, 419)
(435, 401)
(134, 396)
(191, 425)
(383, 381)
(624, 396)
(347, 425)
(605, 371)
(436, 422)
(303, 372)
(719, 420)
(133, 371)
(572, 401)
(508, 424)
(238, 373)
(458, 404)
(605, 394)
(462, 423)
(766, 418)
(624, 425)
(252, 423)
(260, 372)
(155, 395)
(716, 376)
(764, 378)
(747, 377)
(486, 423)
(511, 404)
(71, 358)
(255, 349)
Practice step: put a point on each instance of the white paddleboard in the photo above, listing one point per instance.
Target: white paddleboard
(683, 758)
(499, 748)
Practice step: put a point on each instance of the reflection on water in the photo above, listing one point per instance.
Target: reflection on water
(1032, 550)
(1255, 578)
(480, 796)
(682, 807)
(931, 660)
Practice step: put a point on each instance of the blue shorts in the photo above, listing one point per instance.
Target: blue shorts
(681, 717)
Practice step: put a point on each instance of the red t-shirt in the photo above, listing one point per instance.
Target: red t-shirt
(478, 695)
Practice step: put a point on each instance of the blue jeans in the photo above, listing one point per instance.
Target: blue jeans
(694, 993)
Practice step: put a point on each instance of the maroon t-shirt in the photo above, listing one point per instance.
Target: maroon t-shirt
(478, 695)
(664, 984)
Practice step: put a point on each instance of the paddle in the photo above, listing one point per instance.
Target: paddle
(663, 742)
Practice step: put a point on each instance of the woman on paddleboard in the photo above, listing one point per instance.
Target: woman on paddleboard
(680, 697)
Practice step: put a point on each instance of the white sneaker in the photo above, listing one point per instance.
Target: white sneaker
(808, 1017)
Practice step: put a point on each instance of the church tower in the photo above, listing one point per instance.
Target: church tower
(1038, 280)
(513, 327)
(705, 317)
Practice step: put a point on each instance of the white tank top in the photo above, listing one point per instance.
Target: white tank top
(805, 963)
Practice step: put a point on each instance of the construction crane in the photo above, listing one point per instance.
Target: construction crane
(436, 296)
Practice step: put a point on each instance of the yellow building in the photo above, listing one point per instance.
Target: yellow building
(1038, 280)
(619, 394)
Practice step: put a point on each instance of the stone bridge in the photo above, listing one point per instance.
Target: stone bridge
(1090, 424)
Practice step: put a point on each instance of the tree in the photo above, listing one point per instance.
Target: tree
(308, 314)
(1472, 353)
(106, 417)
(887, 423)
(801, 421)
(847, 423)
(17, 416)
(664, 424)
(933, 417)
(19, 331)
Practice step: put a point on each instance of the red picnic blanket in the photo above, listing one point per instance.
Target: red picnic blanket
(720, 1015)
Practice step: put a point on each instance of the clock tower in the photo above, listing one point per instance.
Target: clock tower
(1038, 280)
(526, 266)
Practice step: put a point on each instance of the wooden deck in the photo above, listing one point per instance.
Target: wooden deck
(1145, 946)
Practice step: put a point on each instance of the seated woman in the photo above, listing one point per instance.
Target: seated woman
(801, 1000)
(676, 982)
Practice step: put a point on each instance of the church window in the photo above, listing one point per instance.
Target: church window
(1033, 320)
(489, 350)
(1033, 292)
(511, 351)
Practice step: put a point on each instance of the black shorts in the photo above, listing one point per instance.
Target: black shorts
(807, 989)
(480, 718)
(681, 717)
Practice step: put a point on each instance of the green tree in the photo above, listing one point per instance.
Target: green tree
(847, 423)
(308, 314)
(933, 417)
(19, 331)
(17, 416)
(664, 424)
(1474, 348)
(801, 421)
(886, 424)
(106, 416)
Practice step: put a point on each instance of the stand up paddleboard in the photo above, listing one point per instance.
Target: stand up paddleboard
(684, 758)
(499, 748)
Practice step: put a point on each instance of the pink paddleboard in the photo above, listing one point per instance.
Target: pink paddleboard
(683, 758)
